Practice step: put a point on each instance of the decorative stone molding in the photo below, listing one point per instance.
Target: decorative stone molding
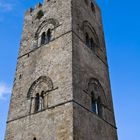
(43, 83)
(95, 87)
(87, 28)
(45, 23)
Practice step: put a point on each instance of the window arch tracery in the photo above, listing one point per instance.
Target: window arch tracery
(91, 38)
(45, 32)
(98, 98)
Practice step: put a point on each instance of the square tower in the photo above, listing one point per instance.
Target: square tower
(61, 89)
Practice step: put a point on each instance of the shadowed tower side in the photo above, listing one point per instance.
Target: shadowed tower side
(93, 107)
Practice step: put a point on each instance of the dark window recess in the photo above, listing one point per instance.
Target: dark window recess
(37, 102)
(42, 100)
(34, 138)
(20, 76)
(96, 106)
(99, 105)
(87, 41)
(48, 35)
(92, 44)
(92, 7)
(43, 38)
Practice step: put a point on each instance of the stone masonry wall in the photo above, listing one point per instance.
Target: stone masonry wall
(53, 60)
(52, 124)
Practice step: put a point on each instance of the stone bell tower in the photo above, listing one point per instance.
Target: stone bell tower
(61, 89)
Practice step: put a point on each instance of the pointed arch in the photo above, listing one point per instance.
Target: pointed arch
(98, 97)
(87, 27)
(46, 22)
(96, 90)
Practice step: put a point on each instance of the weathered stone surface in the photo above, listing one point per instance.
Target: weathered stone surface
(52, 124)
(61, 69)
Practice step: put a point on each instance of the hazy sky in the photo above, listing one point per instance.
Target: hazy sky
(121, 19)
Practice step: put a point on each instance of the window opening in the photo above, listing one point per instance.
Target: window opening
(43, 38)
(37, 102)
(87, 41)
(48, 35)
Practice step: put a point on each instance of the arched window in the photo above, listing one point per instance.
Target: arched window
(37, 94)
(46, 37)
(43, 38)
(34, 138)
(37, 102)
(90, 36)
(97, 97)
(87, 40)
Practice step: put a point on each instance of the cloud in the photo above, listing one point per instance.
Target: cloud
(6, 7)
(4, 90)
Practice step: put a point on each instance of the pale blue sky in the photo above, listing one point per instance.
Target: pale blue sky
(122, 27)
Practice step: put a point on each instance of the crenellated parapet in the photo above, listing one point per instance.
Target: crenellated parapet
(31, 9)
